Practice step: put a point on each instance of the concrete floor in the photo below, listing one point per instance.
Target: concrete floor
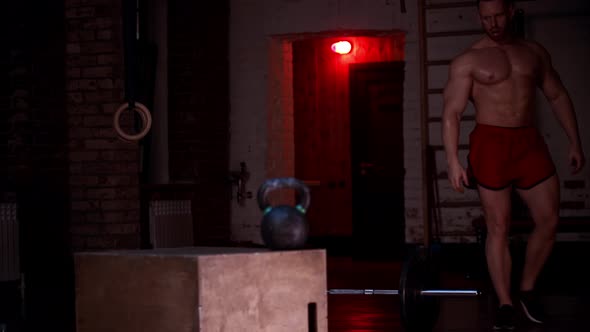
(564, 287)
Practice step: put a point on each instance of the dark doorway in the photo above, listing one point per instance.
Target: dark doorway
(377, 156)
(322, 125)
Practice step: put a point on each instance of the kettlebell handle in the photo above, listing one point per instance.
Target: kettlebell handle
(302, 193)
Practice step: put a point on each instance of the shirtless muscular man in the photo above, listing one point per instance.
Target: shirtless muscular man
(500, 74)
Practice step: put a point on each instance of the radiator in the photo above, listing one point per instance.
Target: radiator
(171, 223)
(9, 243)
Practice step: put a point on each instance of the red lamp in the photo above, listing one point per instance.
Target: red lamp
(341, 47)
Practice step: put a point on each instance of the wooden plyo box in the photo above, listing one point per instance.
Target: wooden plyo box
(201, 289)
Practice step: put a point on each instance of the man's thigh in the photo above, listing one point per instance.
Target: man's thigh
(496, 205)
(543, 199)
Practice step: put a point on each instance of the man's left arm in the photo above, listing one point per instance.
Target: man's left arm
(562, 107)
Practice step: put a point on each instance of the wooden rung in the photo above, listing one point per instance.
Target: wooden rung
(442, 148)
(435, 91)
(459, 204)
(453, 33)
(438, 62)
(442, 176)
(464, 118)
(458, 4)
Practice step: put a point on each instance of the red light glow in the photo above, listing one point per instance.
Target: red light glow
(341, 47)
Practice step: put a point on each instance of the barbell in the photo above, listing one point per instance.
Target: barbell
(418, 293)
(284, 227)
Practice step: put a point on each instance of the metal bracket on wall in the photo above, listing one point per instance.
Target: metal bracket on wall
(239, 179)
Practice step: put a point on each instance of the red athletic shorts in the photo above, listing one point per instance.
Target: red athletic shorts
(503, 156)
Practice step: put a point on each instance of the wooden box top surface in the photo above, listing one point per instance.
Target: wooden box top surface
(190, 251)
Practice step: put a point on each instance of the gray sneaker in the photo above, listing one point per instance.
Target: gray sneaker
(532, 308)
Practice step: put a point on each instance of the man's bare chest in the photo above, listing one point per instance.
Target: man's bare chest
(495, 65)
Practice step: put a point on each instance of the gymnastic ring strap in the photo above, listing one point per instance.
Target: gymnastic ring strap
(146, 120)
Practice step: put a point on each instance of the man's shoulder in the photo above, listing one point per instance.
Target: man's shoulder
(480, 43)
(462, 64)
(535, 46)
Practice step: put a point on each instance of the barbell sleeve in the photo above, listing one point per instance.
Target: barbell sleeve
(363, 291)
(425, 292)
(450, 292)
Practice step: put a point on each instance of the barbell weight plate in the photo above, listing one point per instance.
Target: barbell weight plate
(418, 312)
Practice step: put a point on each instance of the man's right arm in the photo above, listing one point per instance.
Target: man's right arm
(456, 96)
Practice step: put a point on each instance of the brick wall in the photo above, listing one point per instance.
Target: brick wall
(198, 110)
(103, 170)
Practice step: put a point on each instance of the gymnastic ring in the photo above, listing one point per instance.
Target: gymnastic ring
(146, 119)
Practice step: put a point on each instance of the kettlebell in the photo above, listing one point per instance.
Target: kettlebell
(284, 227)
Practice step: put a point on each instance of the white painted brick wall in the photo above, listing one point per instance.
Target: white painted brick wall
(452, 19)
(437, 76)
(566, 38)
(436, 135)
(435, 106)
(446, 48)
